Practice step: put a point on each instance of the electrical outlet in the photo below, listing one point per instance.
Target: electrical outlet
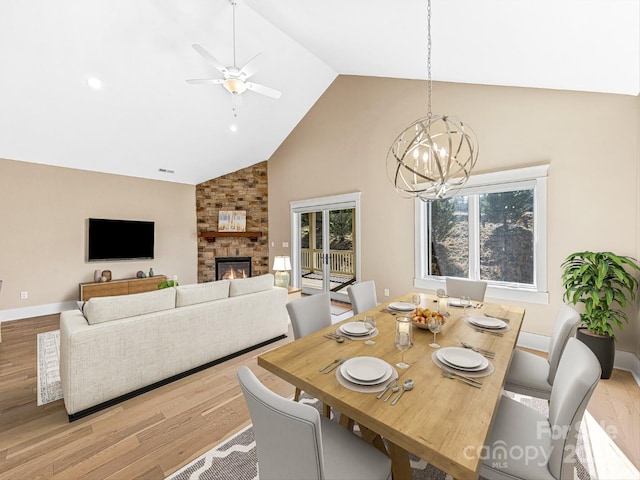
(285, 244)
(386, 292)
(24, 295)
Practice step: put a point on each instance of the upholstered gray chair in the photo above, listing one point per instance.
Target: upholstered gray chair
(362, 296)
(458, 287)
(309, 314)
(532, 375)
(524, 444)
(294, 441)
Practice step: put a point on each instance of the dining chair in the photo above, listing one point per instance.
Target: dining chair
(458, 287)
(362, 296)
(294, 441)
(530, 374)
(309, 314)
(524, 444)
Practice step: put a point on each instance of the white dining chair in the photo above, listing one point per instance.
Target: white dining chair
(458, 287)
(294, 441)
(362, 296)
(310, 314)
(530, 374)
(524, 444)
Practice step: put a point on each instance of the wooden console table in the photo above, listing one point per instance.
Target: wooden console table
(125, 286)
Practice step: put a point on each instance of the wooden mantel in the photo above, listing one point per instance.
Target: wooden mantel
(211, 236)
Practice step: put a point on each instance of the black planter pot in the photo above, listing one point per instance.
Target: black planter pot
(603, 346)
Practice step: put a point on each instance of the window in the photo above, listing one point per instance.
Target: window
(493, 229)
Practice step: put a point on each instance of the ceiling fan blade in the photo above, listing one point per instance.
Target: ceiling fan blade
(261, 89)
(198, 81)
(213, 60)
(249, 68)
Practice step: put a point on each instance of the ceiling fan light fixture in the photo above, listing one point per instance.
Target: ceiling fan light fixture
(234, 86)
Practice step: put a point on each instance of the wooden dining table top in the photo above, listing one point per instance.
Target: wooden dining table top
(443, 421)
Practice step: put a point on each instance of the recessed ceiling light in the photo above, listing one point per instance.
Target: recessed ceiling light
(94, 83)
(233, 128)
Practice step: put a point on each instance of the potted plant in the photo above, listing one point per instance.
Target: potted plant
(603, 283)
(168, 284)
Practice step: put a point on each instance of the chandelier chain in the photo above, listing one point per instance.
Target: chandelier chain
(429, 57)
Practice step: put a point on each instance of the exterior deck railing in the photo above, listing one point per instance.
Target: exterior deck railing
(340, 261)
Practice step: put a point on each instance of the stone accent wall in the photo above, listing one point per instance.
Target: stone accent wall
(246, 190)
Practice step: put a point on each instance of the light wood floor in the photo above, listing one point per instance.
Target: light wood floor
(153, 435)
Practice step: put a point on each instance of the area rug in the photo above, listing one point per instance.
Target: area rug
(49, 388)
(236, 458)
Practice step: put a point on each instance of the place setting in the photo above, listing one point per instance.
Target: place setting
(360, 330)
(463, 364)
(488, 324)
(395, 308)
(366, 374)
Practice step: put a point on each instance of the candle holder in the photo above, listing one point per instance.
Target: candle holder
(443, 303)
(403, 338)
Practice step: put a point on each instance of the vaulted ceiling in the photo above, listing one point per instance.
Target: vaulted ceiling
(146, 118)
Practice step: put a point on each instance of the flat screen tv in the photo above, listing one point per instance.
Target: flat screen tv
(120, 239)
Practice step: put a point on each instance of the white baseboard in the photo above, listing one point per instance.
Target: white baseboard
(627, 361)
(36, 311)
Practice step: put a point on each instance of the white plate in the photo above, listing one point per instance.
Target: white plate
(455, 302)
(479, 368)
(402, 306)
(354, 328)
(378, 381)
(488, 322)
(460, 357)
(366, 369)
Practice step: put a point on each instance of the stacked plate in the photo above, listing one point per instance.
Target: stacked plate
(488, 323)
(367, 371)
(402, 306)
(355, 330)
(462, 359)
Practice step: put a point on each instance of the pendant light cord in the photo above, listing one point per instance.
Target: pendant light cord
(234, 32)
(429, 56)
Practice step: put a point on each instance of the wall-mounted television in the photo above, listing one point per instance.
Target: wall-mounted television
(119, 240)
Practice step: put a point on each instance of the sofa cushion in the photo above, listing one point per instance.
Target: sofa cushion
(105, 309)
(201, 292)
(243, 286)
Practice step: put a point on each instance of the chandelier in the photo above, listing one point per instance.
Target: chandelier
(433, 156)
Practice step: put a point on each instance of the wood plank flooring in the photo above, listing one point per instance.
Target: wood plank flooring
(154, 434)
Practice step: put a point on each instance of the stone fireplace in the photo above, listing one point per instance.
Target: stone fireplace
(233, 267)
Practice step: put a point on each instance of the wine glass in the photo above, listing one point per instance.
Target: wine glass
(465, 302)
(370, 325)
(403, 338)
(434, 326)
(415, 299)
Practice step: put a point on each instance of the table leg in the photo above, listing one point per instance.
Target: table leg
(346, 422)
(374, 439)
(400, 466)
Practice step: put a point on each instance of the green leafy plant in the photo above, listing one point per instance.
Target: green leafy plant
(600, 281)
(168, 283)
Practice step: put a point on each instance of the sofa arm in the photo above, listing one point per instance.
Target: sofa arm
(71, 322)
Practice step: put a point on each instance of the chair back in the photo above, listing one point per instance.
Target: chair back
(458, 287)
(309, 314)
(578, 374)
(288, 434)
(362, 296)
(564, 327)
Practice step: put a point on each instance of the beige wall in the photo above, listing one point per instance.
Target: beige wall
(591, 142)
(43, 217)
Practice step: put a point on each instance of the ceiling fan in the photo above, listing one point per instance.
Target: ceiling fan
(235, 79)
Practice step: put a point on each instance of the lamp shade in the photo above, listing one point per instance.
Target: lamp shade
(281, 263)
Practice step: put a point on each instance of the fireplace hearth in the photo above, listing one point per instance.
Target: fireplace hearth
(233, 267)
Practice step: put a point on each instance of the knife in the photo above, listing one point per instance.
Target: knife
(499, 318)
(387, 387)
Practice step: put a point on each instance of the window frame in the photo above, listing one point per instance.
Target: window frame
(507, 180)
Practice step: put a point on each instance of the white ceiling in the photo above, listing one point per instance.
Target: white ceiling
(146, 117)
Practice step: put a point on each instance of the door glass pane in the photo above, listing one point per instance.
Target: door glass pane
(506, 236)
(341, 254)
(449, 234)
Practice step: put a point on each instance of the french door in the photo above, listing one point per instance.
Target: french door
(325, 244)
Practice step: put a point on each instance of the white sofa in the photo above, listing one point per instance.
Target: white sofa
(115, 346)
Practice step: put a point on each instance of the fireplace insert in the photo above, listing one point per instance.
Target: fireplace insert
(233, 267)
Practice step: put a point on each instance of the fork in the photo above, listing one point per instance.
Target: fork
(330, 364)
(482, 351)
(497, 334)
(461, 379)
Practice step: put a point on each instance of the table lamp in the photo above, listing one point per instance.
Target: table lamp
(281, 267)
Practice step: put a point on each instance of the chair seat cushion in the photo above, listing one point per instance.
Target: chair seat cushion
(519, 445)
(348, 457)
(528, 374)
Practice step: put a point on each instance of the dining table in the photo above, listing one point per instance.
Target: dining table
(444, 420)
